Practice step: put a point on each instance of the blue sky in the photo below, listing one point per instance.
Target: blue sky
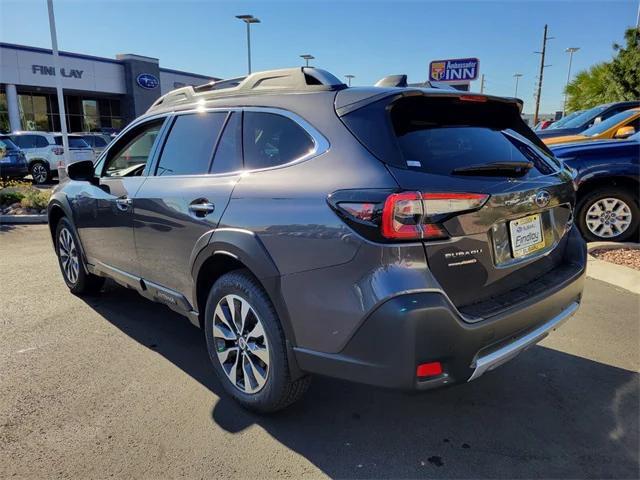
(368, 39)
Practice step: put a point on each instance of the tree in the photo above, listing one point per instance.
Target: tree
(613, 81)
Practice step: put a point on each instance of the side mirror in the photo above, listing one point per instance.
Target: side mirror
(624, 132)
(81, 171)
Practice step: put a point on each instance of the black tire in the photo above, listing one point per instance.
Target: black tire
(590, 199)
(40, 172)
(80, 283)
(279, 390)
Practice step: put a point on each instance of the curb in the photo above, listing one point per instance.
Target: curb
(618, 275)
(23, 219)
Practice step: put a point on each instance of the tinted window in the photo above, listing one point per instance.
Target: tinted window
(131, 153)
(41, 142)
(228, 157)
(24, 141)
(74, 142)
(189, 148)
(270, 140)
(99, 142)
(584, 117)
(441, 150)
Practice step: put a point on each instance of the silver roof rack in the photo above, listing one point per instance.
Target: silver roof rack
(300, 79)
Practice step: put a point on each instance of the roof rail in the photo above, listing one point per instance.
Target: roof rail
(289, 79)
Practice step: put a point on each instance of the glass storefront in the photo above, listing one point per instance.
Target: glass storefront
(39, 111)
(4, 113)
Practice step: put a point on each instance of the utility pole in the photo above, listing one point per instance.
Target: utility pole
(545, 38)
(517, 77)
(482, 84)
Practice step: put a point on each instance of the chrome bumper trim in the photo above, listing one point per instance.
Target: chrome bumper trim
(492, 360)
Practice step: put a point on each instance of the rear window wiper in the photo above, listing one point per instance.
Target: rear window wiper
(495, 168)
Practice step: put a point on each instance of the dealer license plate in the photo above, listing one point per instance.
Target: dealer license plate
(526, 235)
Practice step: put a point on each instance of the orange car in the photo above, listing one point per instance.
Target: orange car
(621, 125)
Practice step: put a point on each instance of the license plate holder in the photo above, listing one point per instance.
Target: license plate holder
(526, 235)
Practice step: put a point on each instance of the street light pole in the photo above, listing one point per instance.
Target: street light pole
(517, 77)
(59, 91)
(248, 19)
(349, 77)
(570, 51)
(307, 57)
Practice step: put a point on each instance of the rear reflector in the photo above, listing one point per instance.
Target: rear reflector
(432, 369)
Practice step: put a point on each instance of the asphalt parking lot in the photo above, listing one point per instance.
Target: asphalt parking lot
(116, 386)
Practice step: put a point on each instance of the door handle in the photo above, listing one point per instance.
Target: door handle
(202, 208)
(123, 203)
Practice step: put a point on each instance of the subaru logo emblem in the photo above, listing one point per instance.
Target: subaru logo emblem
(147, 81)
(542, 198)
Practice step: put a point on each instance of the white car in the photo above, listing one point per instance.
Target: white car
(44, 152)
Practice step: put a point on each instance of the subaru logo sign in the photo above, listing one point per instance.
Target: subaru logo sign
(147, 81)
(542, 198)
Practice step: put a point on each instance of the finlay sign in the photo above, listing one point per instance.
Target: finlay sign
(455, 70)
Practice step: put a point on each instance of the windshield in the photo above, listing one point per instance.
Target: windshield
(584, 117)
(563, 121)
(7, 144)
(609, 123)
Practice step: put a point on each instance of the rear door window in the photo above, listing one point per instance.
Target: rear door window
(189, 146)
(228, 156)
(41, 142)
(270, 140)
(74, 142)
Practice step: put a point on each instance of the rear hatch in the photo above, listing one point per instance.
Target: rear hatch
(496, 204)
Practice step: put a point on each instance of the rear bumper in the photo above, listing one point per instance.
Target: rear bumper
(424, 327)
(13, 171)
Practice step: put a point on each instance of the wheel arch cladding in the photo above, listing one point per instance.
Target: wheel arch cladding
(596, 182)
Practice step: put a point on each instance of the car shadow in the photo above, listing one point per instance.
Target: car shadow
(545, 414)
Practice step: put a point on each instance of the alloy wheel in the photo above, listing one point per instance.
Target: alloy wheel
(608, 217)
(241, 344)
(39, 173)
(68, 256)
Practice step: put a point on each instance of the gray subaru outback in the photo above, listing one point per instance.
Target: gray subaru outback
(402, 237)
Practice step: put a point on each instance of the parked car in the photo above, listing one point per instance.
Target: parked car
(543, 125)
(13, 163)
(621, 125)
(44, 152)
(588, 119)
(97, 141)
(608, 180)
(398, 236)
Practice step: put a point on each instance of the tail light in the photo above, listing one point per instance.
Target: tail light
(57, 150)
(415, 215)
(385, 216)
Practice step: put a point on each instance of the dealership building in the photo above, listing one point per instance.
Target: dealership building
(99, 93)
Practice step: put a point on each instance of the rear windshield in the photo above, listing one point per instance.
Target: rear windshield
(74, 142)
(441, 150)
(440, 141)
